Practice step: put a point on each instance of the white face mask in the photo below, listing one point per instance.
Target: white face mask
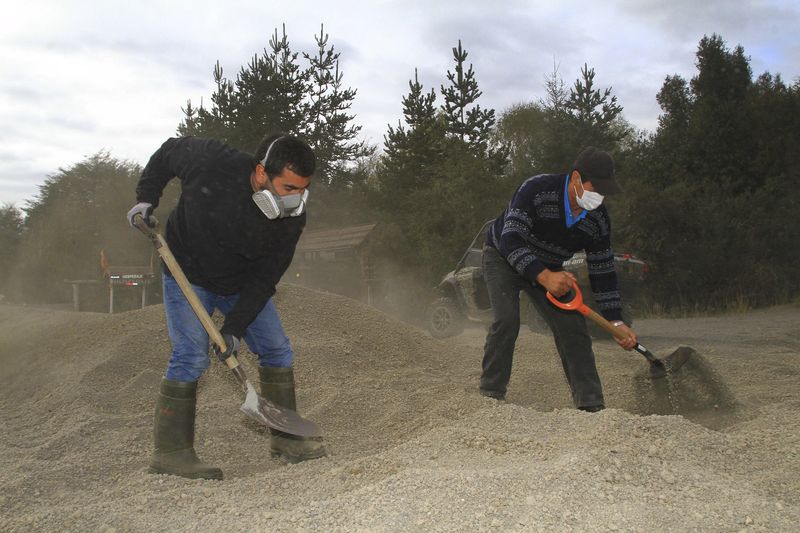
(590, 199)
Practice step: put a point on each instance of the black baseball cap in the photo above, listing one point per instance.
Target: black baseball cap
(597, 166)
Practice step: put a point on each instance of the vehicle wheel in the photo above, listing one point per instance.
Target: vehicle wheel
(445, 319)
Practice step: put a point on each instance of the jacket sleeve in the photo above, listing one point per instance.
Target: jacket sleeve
(512, 243)
(172, 159)
(603, 274)
(260, 288)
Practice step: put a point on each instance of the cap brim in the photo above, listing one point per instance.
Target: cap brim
(606, 187)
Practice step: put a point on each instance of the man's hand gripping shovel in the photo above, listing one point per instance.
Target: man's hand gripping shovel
(254, 406)
(658, 367)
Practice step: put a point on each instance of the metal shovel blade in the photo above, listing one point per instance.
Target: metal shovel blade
(672, 363)
(277, 417)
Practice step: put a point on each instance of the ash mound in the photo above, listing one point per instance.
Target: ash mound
(413, 444)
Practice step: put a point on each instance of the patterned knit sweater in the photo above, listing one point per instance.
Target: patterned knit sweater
(532, 235)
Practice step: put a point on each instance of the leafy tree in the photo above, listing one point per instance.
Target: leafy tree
(78, 212)
(11, 227)
(714, 187)
(522, 128)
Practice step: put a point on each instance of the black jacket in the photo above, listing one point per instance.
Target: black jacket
(220, 238)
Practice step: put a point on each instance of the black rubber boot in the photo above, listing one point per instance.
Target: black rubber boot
(173, 434)
(277, 386)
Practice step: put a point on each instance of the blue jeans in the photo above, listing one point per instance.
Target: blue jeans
(265, 336)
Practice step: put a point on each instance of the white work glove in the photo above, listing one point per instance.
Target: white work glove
(142, 208)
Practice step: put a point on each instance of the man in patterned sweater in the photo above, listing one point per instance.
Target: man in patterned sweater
(549, 218)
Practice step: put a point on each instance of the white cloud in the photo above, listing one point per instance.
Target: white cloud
(80, 76)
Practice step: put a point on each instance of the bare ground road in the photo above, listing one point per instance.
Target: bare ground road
(413, 446)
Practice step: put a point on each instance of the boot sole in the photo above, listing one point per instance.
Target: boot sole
(213, 475)
(294, 459)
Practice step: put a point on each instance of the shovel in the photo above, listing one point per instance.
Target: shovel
(658, 367)
(254, 406)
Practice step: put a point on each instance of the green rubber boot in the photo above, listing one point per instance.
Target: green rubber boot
(173, 434)
(277, 386)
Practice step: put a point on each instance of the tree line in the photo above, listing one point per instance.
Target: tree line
(708, 196)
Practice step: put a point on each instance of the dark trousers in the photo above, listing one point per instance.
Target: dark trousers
(569, 330)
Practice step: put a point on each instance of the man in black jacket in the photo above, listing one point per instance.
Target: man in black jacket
(233, 232)
(549, 218)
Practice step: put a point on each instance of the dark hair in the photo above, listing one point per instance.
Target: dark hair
(286, 151)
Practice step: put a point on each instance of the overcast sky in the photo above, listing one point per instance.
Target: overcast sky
(77, 77)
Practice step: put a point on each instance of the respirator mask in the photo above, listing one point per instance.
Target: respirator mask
(275, 206)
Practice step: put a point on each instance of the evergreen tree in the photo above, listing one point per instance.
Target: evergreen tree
(465, 119)
(410, 165)
(269, 94)
(273, 92)
(720, 141)
(578, 117)
(329, 129)
(558, 145)
(439, 178)
(411, 150)
(594, 112)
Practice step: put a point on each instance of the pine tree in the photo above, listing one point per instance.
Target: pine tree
(578, 117)
(465, 119)
(329, 128)
(595, 112)
(273, 92)
(269, 94)
(439, 177)
(411, 149)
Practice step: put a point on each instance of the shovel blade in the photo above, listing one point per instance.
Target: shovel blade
(672, 363)
(277, 417)
(678, 358)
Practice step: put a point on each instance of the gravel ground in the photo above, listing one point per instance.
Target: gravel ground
(413, 446)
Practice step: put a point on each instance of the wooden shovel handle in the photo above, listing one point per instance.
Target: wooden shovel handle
(186, 287)
(606, 325)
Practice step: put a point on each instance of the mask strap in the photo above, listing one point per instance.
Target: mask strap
(576, 190)
(269, 149)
